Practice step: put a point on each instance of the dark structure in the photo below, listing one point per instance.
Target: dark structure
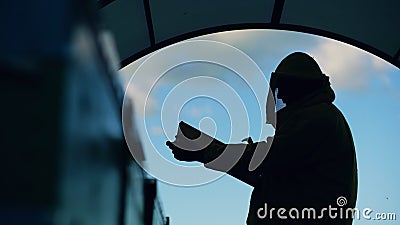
(143, 26)
(64, 158)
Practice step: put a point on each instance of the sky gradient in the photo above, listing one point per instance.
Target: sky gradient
(367, 92)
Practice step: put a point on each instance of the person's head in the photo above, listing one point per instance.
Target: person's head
(297, 76)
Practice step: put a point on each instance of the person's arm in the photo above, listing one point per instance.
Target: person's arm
(289, 149)
(233, 159)
(237, 162)
(293, 147)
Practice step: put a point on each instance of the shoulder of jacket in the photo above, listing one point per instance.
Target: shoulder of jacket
(321, 113)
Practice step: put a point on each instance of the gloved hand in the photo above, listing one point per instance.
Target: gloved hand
(204, 155)
(185, 155)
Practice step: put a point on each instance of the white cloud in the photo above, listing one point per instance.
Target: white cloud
(265, 47)
(349, 68)
(344, 64)
(380, 63)
(137, 92)
(141, 100)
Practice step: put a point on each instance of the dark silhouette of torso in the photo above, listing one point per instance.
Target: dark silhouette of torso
(311, 163)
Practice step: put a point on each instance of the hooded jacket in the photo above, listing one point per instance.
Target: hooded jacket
(311, 164)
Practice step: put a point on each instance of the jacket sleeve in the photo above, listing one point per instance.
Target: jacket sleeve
(235, 159)
(241, 170)
(289, 150)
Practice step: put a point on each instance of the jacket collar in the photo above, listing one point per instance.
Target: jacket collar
(323, 95)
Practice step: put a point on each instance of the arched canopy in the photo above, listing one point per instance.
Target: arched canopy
(142, 26)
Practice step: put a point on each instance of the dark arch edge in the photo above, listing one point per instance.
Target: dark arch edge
(288, 27)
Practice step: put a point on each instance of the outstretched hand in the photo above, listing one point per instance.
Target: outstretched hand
(185, 155)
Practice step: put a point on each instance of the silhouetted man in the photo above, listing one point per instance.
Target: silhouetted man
(309, 175)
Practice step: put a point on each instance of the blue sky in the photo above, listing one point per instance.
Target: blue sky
(228, 99)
